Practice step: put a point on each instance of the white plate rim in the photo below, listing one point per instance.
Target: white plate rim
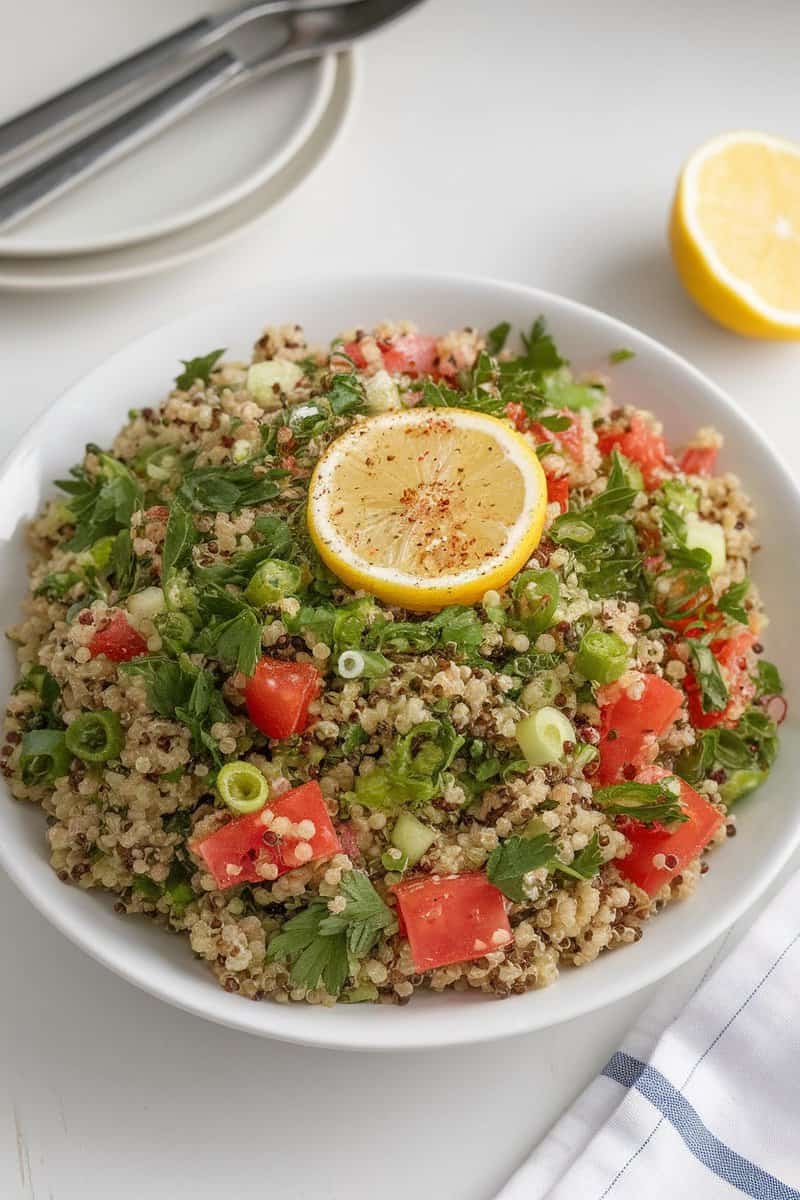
(148, 258)
(321, 89)
(244, 1015)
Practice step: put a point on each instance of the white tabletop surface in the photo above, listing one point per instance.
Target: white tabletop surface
(530, 141)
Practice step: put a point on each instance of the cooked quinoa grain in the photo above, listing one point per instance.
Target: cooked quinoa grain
(334, 798)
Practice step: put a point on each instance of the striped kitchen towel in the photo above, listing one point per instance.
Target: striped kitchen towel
(708, 1109)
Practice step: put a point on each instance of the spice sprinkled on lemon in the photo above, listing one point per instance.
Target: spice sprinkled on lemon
(427, 508)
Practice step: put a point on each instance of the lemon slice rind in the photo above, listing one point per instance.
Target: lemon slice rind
(413, 590)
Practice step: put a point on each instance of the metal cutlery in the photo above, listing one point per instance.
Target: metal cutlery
(307, 34)
(26, 129)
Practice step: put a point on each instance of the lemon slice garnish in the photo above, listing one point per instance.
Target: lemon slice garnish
(427, 507)
(735, 233)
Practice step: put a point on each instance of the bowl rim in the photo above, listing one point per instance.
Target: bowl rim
(286, 1023)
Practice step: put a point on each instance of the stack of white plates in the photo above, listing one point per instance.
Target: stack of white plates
(196, 186)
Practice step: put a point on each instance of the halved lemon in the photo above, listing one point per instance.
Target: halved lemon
(735, 233)
(427, 507)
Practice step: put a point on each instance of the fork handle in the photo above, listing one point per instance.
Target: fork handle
(77, 162)
(24, 130)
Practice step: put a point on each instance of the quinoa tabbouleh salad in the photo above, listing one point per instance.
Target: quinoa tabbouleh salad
(410, 663)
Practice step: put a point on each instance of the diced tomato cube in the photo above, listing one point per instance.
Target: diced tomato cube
(452, 918)
(353, 351)
(278, 694)
(518, 417)
(641, 445)
(731, 655)
(628, 728)
(118, 640)
(410, 354)
(567, 441)
(558, 491)
(571, 439)
(234, 853)
(678, 845)
(699, 460)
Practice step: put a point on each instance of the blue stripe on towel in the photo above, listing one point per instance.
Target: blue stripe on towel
(684, 1118)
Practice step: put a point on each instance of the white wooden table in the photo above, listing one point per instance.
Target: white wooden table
(529, 141)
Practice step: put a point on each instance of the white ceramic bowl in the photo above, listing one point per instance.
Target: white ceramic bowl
(769, 822)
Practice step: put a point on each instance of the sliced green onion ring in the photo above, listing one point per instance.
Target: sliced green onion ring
(175, 630)
(242, 787)
(95, 737)
(542, 736)
(272, 581)
(536, 594)
(351, 664)
(602, 657)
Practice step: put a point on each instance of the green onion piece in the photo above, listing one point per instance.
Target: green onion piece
(740, 783)
(175, 630)
(161, 464)
(350, 623)
(542, 736)
(602, 657)
(584, 755)
(352, 664)
(394, 860)
(95, 737)
(44, 757)
(272, 581)
(679, 496)
(411, 838)
(537, 594)
(242, 787)
(571, 528)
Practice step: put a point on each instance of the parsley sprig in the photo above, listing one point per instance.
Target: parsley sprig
(714, 693)
(320, 945)
(511, 861)
(102, 504)
(751, 744)
(603, 540)
(197, 368)
(177, 689)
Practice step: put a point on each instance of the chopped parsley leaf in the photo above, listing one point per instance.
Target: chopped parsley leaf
(645, 802)
(197, 368)
(713, 689)
(513, 859)
(318, 943)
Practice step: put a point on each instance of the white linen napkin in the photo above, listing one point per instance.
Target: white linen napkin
(708, 1109)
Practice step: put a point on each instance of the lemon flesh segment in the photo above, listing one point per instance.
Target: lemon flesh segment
(426, 507)
(735, 233)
